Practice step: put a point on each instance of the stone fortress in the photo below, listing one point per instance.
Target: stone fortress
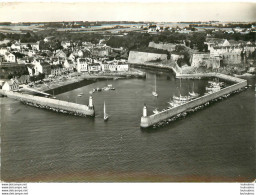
(222, 51)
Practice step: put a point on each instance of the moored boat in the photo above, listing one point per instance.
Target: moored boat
(193, 94)
(154, 93)
(155, 111)
(105, 113)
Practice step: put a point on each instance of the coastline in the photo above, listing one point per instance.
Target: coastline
(75, 80)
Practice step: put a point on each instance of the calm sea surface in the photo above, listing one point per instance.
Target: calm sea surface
(216, 143)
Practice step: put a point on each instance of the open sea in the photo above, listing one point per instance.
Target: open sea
(214, 144)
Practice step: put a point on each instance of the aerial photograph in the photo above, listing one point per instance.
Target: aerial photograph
(128, 92)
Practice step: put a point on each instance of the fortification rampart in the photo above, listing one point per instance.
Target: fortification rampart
(137, 57)
(165, 46)
(205, 59)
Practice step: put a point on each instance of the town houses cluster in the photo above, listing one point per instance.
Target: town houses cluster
(87, 57)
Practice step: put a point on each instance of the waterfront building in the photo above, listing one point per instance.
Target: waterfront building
(114, 66)
(94, 68)
(69, 65)
(11, 85)
(42, 67)
(56, 70)
(82, 64)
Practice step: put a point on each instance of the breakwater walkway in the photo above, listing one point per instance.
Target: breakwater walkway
(53, 104)
(172, 113)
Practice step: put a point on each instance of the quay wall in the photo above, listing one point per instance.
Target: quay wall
(217, 75)
(164, 66)
(49, 103)
(153, 119)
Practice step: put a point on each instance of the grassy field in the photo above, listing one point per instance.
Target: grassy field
(19, 28)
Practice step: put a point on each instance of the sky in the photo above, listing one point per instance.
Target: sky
(127, 11)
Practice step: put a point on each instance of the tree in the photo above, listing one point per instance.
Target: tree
(29, 46)
(198, 40)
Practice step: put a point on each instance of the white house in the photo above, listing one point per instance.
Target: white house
(9, 57)
(82, 64)
(69, 65)
(115, 66)
(16, 46)
(3, 51)
(94, 68)
(10, 85)
(40, 66)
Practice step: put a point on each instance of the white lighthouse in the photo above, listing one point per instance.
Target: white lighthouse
(90, 102)
(145, 111)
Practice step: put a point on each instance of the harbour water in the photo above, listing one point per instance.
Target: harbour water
(214, 144)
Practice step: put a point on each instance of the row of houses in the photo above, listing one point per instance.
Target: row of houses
(90, 65)
(20, 46)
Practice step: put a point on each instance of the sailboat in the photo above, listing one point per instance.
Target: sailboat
(181, 99)
(105, 114)
(53, 95)
(154, 93)
(193, 94)
(155, 111)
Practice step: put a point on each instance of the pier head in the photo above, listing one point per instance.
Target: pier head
(53, 104)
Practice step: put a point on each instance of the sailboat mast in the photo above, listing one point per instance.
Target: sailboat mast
(104, 109)
(180, 87)
(155, 83)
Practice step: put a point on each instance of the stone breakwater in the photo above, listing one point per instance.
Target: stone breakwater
(52, 104)
(193, 105)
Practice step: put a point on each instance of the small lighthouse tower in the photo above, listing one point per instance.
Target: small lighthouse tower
(145, 111)
(90, 103)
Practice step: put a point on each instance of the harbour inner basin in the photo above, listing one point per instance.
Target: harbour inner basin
(65, 147)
